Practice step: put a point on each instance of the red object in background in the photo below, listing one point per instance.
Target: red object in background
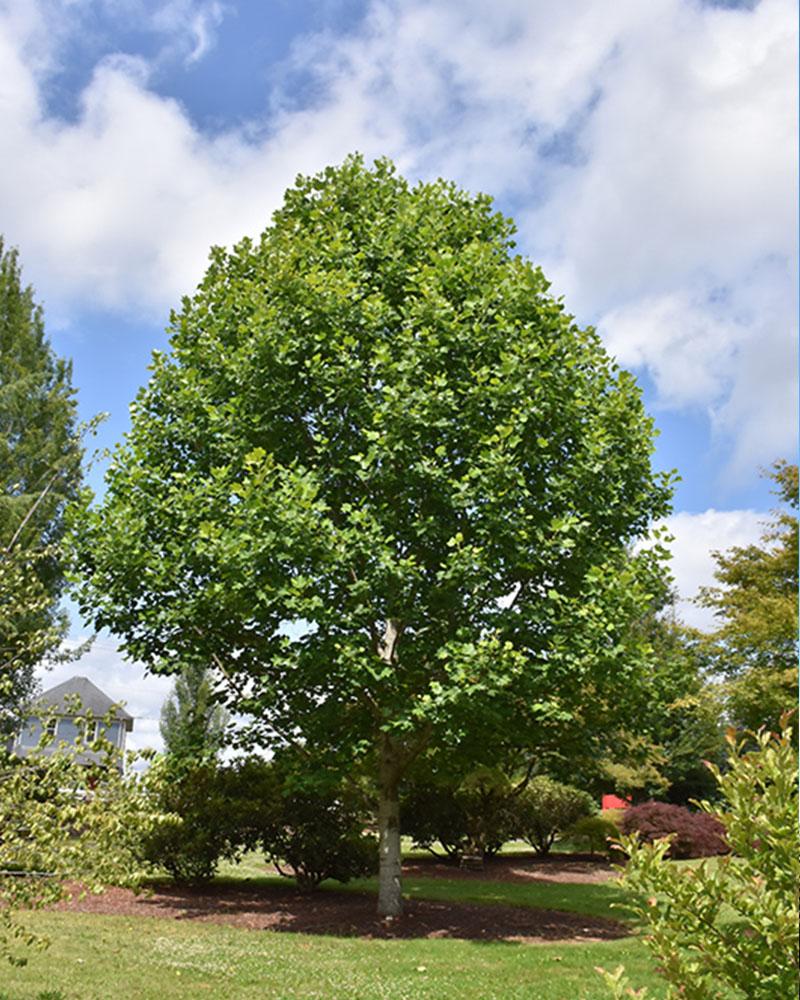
(614, 802)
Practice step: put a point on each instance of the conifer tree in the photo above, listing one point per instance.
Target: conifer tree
(40, 471)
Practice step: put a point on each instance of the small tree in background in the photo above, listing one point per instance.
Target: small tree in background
(755, 602)
(191, 787)
(595, 833)
(192, 723)
(728, 927)
(546, 808)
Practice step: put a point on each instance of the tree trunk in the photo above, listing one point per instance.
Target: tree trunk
(390, 900)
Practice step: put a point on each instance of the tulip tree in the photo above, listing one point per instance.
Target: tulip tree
(383, 483)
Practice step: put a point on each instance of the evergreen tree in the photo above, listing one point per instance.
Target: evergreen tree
(40, 471)
(192, 725)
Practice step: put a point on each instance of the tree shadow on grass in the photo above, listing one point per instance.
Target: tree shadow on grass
(350, 914)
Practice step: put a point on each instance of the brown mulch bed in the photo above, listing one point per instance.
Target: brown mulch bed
(346, 914)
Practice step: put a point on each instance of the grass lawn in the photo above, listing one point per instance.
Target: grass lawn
(99, 957)
(94, 957)
(594, 899)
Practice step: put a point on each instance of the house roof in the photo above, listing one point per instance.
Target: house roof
(90, 697)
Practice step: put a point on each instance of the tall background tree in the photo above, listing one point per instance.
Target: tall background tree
(755, 603)
(40, 471)
(192, 723)
(376, 425)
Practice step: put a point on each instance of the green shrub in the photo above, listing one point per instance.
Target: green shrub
(319, 836)
(728, 926)
(432, 814)
(472, 816)
(595, 833)
(210, 812)
(195, 830)
(486, 795)
(546, 808)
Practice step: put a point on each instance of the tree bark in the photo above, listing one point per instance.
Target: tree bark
(390, 899)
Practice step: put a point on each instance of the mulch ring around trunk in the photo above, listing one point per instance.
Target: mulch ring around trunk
(346, 914)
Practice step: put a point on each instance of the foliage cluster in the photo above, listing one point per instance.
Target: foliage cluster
(192, 723)
(320, 835)
(40, 471)
(485, 810)
(214, 811)
(691, 834)
(728, 926)
(546, 808)
(62, 822)
(596, 833)
(755, 600)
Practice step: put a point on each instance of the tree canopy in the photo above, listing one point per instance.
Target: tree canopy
(383, 482)
(755, 603)
(40, 470)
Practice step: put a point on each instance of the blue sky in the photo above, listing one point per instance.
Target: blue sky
(648, 153)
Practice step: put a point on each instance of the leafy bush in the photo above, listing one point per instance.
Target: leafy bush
(195, 830)
(728, 927)
(595, 832)
(487, 797)
(320, 836)
(431, 814)
(76, 822)
(474, 816)
(546, 808)
(210, 812)
(693, 835)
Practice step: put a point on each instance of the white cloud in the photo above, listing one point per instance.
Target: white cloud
(678, 231)
(687, 347)
(696, 537)
(193, 25)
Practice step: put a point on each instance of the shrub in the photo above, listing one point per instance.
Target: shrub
(693, 835)
(211, 812)
(546, 808)
(475, 815)
(320, 836)
(79, 823)
(728, 927)
(195, 830)
(595, 832)
(487, 798)
(431, 814)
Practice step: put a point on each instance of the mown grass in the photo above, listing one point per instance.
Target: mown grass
(593, 899)
(95, 957)
(597, 899)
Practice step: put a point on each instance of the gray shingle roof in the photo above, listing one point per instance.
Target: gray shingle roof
(91, 699)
